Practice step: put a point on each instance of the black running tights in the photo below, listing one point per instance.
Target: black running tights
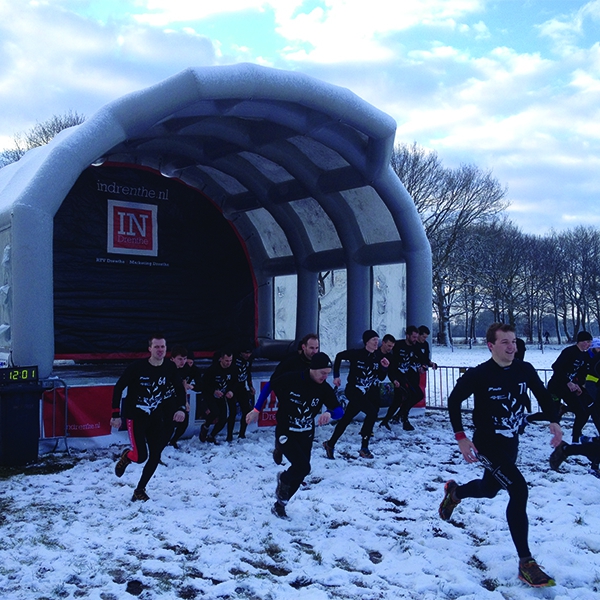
(498, 455)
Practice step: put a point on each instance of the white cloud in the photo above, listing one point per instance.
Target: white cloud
(534, 119)
(349, 30)
(481, 30)
(567, 30)
(52, 61)
(331, 31)
(161, 13)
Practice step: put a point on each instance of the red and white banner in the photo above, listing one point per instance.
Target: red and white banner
(422, 385)
(268, 415)
(88, 415)
(132, 228)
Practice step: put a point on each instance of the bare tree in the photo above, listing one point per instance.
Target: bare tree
(39, 135)
(449, 201)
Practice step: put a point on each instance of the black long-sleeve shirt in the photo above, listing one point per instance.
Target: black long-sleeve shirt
(500, 397)
(216, 378)
(244, 372)
(300, 401)
(407, 362)
(572, 365)
(365, 368)
(294, 363)
(423, 353)
(148, 388)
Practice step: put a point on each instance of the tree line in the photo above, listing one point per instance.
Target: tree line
(38, 135)
(484, 264)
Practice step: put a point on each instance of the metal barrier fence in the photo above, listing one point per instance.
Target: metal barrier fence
(50, 430)
(440, 382)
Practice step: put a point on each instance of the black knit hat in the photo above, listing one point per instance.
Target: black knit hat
(320, 360)
(368, 334)
(584, 336)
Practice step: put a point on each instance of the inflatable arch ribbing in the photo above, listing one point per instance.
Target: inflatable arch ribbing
(301, 168)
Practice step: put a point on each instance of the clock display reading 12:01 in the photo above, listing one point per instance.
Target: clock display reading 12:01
(18, 374)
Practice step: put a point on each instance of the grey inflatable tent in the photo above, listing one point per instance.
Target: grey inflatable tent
(298, 168)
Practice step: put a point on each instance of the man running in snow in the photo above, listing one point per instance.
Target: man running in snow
(155, 398)
(367, 369)
(220, 382)
(294, 363)
(301, 397)
(499, 387)
(568, 383)
(405, 373)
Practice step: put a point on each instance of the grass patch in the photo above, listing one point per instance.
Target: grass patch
(45, 466)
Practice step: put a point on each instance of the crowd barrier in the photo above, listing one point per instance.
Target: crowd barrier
(440, 382)
(75, 412)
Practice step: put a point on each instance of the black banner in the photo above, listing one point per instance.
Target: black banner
(137, 253)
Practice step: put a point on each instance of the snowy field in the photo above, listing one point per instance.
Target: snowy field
(358, 529)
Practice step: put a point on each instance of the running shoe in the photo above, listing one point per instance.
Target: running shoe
(365, 453)
(278, 509)
(122, 463)
(328, 451)
(282, 491)
(203, 432)
(140, 495)
(558, 456)
(450, 502)
(407, 425)
(531, 574)
(277, 454)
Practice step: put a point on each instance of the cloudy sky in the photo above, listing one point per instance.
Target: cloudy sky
(510, 85)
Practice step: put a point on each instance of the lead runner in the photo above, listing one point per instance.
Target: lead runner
(500, 386)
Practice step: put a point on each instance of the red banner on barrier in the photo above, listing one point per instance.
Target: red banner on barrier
(268, 415)
(89, 411)
(422, 385)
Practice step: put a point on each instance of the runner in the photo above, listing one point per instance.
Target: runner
(246, 392)
(155, 398)
(367, 369)
(301, 397)
(220, 382)
(405, 373)
(179, 356)
(294, 363)
(568, 383)
(500, 389)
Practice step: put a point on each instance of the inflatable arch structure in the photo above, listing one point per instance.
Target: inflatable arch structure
(300, 169)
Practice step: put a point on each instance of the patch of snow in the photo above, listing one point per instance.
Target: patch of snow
(358, 528)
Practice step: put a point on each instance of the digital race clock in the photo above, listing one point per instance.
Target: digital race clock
(18, 375)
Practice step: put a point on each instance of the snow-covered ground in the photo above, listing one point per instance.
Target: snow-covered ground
(358, 529)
